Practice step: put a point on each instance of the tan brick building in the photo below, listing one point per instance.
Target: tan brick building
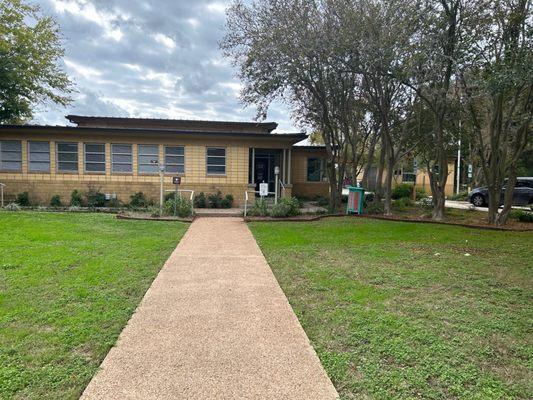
(120, 156)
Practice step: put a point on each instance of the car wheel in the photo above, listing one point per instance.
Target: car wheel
(478, 200)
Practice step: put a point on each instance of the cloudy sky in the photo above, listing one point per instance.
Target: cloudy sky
(148, 58)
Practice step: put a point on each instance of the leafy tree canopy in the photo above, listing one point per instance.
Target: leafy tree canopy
(30, 51)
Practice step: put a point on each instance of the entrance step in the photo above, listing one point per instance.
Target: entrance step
(218, 212)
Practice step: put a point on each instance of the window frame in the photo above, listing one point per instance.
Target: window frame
(85, 162)
(174, 155)
(77, 152)
(322, 169)
(139, 159)
(130, 154)
(207, 165)
(2, 160)
(30, 170)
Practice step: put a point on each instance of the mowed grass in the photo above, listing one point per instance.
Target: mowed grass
(68, 285)
(400, 311)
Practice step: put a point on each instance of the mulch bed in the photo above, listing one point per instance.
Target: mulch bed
(147, 217)
(396, 218)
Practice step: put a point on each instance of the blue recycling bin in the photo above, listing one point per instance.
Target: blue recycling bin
(356, 196)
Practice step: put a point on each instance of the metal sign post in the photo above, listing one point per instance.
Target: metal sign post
(161, 182)
(276, 188)
(176, 180)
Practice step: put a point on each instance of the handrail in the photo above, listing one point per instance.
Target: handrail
(191, 197)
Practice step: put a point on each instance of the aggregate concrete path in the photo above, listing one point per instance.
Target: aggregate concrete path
(214, 325)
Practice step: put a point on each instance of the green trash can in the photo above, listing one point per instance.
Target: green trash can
(356, 196)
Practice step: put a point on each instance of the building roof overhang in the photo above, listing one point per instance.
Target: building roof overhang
(147, 133)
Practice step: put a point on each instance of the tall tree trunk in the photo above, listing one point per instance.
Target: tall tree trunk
(370, 160)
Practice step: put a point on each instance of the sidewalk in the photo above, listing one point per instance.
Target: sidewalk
(214, 325)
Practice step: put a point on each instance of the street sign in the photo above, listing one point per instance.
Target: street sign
(176, 180)
(470, 170)
(263, 189)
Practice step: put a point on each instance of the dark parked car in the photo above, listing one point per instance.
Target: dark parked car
(522, 195)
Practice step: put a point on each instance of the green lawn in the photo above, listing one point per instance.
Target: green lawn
(397, 310)
(68, 285)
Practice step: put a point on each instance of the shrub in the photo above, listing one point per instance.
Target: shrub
(12, 207)
(259, 209)
(95, 198)
(76, 198)
(292, 203)
(526, 217)
(421, 194)
(23, 199)
(200, 201)
(403, 190)
(178, 206)
(322, 201)
(374, 207)
(461, 196)
(402, 203)
(521, 215)
(227, 201)
(138, 200)
(280, 210)
(55, 201)
(427, 204)
(114, 203)
(215, 199)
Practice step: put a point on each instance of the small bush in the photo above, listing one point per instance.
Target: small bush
(76, 199)
(178, 206)
(227, 201)
(200, 201)
(280, 210)
(322, 201)
(402, 190)
(55, 201)
(23, 199)
(12, 207)
(402, 203)
(461, 196)
(521, 215)
(215, 200)
(374, 207)
(421, 194)
(114, 203)
(95, 198)
(259, 209)
(292, 203)
(138, 200)
(427, 204)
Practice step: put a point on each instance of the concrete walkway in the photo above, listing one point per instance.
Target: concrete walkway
(214, 325)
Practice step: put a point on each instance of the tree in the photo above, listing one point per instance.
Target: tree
(498, 95)
(437, 48)
(286, 49)
(30, 51)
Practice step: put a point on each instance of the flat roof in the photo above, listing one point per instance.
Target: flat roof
(155, 123)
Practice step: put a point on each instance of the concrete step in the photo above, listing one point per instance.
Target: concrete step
(218, 212)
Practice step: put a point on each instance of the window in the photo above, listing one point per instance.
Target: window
(95, 157)
(10, 155)
(121, 158)
(315, 170)
(216, 161)
(175, 159)
(148, 158)
(39, 156)
(67, 157)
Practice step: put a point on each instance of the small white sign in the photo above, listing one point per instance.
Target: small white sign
(263, 189)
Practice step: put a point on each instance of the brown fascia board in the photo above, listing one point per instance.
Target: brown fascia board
(81, 119)
(291, 137)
